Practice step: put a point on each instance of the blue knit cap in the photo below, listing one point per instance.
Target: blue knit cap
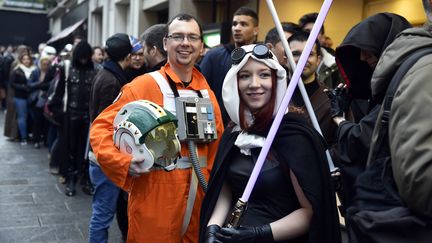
(135, 43)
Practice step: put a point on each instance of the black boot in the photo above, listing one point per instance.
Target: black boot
(70, 186)
(88, 189)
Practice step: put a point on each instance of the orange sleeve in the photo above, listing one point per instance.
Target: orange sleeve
(115, 164)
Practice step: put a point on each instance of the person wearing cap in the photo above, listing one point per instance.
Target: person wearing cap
(106, 86)
(49, 51)
(163, 206)
(293, 199)
(137, 66)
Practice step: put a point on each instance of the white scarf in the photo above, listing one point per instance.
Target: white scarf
(27, 70)
(246, 142)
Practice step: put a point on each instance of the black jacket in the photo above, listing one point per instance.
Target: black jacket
(106, 86)
(19, 82)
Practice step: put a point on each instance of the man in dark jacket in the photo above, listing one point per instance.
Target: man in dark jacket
(217, 61)
(106, 87)
(357, 58)
(314, 87)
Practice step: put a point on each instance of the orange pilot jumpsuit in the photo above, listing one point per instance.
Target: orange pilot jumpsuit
(157, 200)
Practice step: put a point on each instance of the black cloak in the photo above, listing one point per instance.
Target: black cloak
(303, 151)
(374, 34)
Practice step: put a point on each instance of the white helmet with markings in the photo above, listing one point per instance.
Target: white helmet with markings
(146, 131)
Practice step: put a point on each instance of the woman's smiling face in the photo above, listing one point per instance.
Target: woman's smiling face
(255, 84)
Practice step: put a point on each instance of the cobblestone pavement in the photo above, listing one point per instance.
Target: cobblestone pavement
(33, 207)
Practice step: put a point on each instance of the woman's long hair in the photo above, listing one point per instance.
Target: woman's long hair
(82, 51)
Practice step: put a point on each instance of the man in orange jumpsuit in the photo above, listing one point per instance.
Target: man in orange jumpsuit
(158, 200)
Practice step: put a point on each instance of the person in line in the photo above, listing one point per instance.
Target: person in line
(106, 86)
(11, 129)
(98, 56)
(357, 57)
(137, 66)
(154, 53)
(293, 199)
(158, 199)
(18, 81)
(74, 87)
(39, 82)
(216, 63)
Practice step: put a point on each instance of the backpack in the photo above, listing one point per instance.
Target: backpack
(378, 213)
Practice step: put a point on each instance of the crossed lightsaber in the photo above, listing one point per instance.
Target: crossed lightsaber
(295, 80)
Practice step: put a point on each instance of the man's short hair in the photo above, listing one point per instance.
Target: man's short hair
(302, 36)
(248, 12)
(309, 18)
(185, 17)
(153, 36)
(273, 36)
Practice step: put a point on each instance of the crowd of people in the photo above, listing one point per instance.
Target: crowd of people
(69, 102)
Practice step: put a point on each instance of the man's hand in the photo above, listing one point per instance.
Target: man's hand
(339, 100)
(136, 167)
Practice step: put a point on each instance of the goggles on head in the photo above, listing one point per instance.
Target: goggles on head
(260, 51)
(145, 130)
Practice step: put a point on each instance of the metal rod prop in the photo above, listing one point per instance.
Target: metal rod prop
(301, 86)
(288, 94)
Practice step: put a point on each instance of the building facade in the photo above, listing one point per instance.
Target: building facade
(102, 18)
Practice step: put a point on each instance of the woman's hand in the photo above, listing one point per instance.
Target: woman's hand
(211, 233)
(261, 233)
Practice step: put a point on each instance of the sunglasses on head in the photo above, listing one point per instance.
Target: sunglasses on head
(260, 51)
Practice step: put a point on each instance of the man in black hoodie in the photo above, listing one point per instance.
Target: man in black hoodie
(357, 58)
(106, 87)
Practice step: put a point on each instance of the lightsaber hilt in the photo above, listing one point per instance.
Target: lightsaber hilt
(236, 214)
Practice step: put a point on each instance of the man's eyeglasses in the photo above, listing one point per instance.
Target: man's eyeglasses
(181, 37)
(260, 51)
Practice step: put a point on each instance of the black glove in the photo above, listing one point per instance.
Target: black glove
(339, 101)
(261, 233)
(211, 233)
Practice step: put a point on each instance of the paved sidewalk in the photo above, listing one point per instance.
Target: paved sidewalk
(33, 207)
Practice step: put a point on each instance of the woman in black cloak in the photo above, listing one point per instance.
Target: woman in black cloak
(293, 199)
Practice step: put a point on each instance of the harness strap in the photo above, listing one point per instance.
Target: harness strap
(193, 188)
(169, 104)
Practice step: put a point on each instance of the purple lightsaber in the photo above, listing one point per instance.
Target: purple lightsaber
(242, 202)
(301, 86)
